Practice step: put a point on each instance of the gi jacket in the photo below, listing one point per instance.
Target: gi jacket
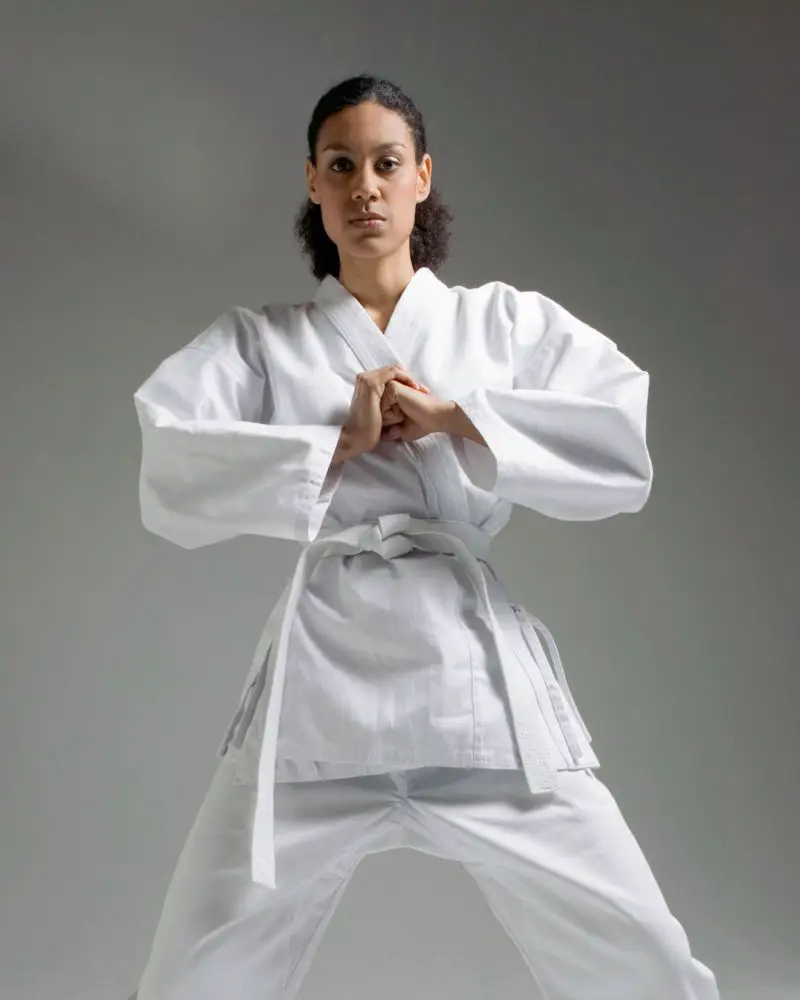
(394, 644)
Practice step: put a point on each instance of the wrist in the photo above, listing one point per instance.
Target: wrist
(456, 422)
(448, 417)
(349, 446)
(344, 447)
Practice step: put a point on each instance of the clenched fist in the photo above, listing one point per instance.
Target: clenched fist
(365, 422)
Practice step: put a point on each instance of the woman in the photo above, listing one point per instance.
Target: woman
(397, 696)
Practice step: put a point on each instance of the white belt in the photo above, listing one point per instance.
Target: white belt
(390, 536)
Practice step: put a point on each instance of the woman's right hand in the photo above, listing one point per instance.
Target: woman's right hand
(362, 429)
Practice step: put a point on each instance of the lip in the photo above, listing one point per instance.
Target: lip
(374, 224)
(368, 217)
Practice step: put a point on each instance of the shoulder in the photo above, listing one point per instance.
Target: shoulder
(241, 336)
(241, 325)
(230, 339)
(502, 301)
(507, 314)
(530, 314)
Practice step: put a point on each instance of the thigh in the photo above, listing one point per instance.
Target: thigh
(565, 876)
(221, 934)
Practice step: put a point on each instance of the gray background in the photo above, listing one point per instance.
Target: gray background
(631, 160)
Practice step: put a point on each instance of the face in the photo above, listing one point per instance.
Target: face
(366, 163)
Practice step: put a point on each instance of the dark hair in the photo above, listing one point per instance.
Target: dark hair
(430, 235)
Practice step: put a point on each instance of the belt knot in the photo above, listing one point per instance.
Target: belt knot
(388, 538)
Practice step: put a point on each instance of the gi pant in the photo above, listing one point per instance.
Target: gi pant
(561, 870)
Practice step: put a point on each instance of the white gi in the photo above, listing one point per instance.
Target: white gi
(394, 646)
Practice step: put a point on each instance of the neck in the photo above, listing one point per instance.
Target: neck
(379, 283)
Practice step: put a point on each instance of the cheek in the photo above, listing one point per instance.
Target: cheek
(333, 213)
(404, 205)
(328, 191)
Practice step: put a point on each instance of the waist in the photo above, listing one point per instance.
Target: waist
(396, 534)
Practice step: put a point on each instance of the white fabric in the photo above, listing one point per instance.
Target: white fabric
(562, 872)
(399, 648)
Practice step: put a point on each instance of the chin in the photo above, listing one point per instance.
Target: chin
(376, 246)
(357, 237)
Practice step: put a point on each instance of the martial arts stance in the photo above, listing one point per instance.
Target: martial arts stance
(398, 696)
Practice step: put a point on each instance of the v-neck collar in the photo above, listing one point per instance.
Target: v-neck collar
(373, 347)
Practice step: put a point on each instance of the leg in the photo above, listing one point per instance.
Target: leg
(565, 876)
(222, 935)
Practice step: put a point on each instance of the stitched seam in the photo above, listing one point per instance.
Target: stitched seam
(315, 934)
(219, 357)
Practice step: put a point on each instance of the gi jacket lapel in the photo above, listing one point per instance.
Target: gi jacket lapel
(373, 347)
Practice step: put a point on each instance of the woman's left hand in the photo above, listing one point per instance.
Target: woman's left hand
(410, 414)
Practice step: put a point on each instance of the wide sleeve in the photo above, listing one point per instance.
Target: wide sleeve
(568, 439)
(213, 466)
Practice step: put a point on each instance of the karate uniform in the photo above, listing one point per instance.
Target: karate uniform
(395, 658)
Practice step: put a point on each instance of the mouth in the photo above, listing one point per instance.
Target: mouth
(369, 225)
(368, 217)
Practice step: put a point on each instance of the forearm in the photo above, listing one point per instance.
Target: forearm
(344, 448)
(455, 421)
(349, 446)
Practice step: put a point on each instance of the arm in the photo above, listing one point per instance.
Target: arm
(213, 467)
(456, 422)
(569, 438)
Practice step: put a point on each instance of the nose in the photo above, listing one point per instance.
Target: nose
(365, 185)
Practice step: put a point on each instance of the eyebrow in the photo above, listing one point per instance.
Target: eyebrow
(383, 145)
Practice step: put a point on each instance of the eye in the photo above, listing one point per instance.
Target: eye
(382, 164)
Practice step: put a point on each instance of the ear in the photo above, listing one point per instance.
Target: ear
(311, 181)
(424, 174)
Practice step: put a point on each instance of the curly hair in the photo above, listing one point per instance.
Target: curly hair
(430, 235)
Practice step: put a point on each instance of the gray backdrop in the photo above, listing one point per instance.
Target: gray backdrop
(633, 161)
